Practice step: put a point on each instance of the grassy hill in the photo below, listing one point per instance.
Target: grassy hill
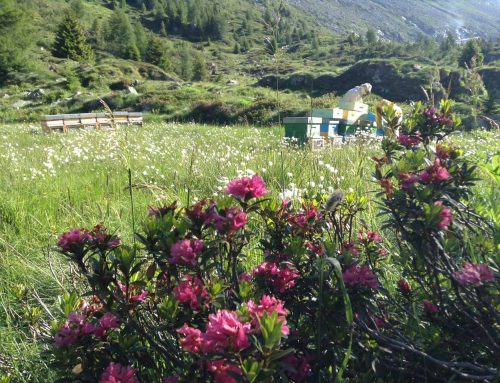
(217, 62)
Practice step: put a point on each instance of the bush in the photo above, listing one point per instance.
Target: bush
(184, 304)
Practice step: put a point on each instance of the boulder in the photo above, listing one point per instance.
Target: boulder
(35, 94)
(132, 90)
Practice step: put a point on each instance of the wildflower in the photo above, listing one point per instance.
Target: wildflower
(474, 274)
(185, 252)
(407, 180)
(74, 241)
(109, 320)
(247, 188)
(230, 221)
(191, 291)
(409, 141)
(220, 369)
(404, 286)
(103, 240)
(360, 276)
(445, 216)
(192, 340)
(429, 307)
(306, 217)
(350, 247)
(434, 173)
(225, 331)
(128, 293)
(371, 236)
(116, 373)
(280, 277)
(269, 305)
(161, 211)
(171, 379)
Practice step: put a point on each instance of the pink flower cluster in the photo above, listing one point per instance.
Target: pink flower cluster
(360, 276)
(434, 173)
(116, 373)
(269, 305)
(305, 218)
(79, 326)
(434, 118)
(351, 248)
(409, 141)
(280, 276)
(474, 274)
(223, 371)
(301, 367)
(429, 307)
(407, 180)
(74, 240)
(224, 333)
(229, 221)
(404, 286)
(247, 188)
(370, 237)
(191, 291)
(130, 294)
(445, 216)
(185, 252)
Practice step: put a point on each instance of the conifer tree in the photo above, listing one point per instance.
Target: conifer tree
(157, 53)
(120, 36)
(14, 39)
(185, 67)
(471, 54)
(371, 36)
(200, 71)
(71, 41)
(163, 29)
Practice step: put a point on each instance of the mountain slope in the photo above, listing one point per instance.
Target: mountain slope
(401, 19)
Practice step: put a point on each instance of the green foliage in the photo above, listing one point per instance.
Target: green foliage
(200, 71)
(371, 36)
(15, 39)
(71, 41)
(471, 55)
(157, 53)
(120, 36)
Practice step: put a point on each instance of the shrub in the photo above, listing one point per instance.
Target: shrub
(184, 304)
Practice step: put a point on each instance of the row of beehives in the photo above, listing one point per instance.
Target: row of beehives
(331, 125)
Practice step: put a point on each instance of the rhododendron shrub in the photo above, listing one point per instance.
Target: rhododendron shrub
(251, 289)
(442, 320)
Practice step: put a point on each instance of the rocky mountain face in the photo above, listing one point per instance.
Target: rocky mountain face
(402, 19)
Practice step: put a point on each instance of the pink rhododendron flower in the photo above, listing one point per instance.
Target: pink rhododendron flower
(116, 373)
(74, 240)
(371, 236)
(191, 291)
(171, 379)
(409, 141)
(474, 274)
(247, 188)
(220, 369)
(280, 277)
(109, 321)
(301, 367)
(350, 247)
(66, 336)
(445, 216)
(230, 220)
(225, 332)
(269, 305)
(429, 307)
(434, 173)
(102, 239)
(138, 298)
(407, 180)
(185, 252)
(192, 340)
(404, 286)
(308, 216)
(360, 276)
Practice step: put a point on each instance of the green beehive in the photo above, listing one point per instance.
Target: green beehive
(302, 128)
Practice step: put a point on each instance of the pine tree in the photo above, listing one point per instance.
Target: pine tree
(157, 53)
(185, 67)
(200, 71)
(121, 37)
(471, 54)
(70, 40)
(78, 8)
(371, 36)
(14, 40)
(141, 39)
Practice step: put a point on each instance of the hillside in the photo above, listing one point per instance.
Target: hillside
(402, 19)
(216, 61)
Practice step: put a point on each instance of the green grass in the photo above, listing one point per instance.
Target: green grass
(50, 183)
